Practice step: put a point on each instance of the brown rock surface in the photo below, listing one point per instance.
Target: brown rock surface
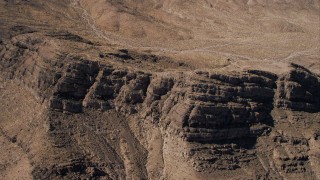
(77, 101)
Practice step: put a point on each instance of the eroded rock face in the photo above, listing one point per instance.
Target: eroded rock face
(73, 86)
(208, 108)
(299, 90)
(220, 120)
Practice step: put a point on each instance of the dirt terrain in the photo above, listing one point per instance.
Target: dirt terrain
(169, 89)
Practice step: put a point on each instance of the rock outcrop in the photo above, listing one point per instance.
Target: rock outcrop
(173, 89)
(221, 119)
(299, 90)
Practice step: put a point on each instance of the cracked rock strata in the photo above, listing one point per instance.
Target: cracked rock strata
(209, 122)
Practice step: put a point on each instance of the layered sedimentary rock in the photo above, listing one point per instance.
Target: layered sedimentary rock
(209, 121)
(299, 90)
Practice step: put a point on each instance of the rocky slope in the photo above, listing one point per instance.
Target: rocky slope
(74, 106)
(206, 33)
(101, 120)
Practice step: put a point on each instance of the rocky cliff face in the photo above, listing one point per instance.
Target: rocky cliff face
(116, 122)
(298, 90)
